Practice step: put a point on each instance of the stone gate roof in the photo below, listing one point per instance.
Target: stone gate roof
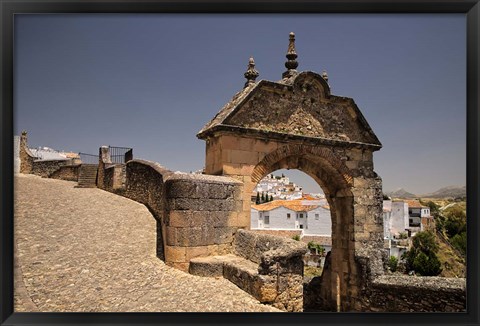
(299, 106)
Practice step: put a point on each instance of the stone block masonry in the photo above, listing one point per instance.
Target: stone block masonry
(47, 168)
(268, 267)
(68, 173)
(415, 294)
(196, 214)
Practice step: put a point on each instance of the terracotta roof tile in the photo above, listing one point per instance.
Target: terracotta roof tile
(414, 204)
(297, 205)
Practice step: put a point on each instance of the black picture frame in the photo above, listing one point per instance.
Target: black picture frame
(8, 10)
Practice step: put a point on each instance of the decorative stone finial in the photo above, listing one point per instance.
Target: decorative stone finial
(291, 63)
(251, 74)
(325, 76)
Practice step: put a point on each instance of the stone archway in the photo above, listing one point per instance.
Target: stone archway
(328, 170)
(296, 123)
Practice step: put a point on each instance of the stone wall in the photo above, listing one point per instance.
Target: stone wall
(26, 157)
(68, 172)
(196, 214)
(402, 293)
(202, 216)
(46, 168)
(391, 293)
(280, 268)
(145, 184)
(113, 178)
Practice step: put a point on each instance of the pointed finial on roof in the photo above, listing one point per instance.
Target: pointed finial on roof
(251, 74)
(325, 76)
(291, 63)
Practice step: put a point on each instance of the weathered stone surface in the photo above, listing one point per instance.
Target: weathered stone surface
(26, 157)
(68, 173)
(46, 168)
(207, 266)
(301, 105)
(74, 257)
(414, 294)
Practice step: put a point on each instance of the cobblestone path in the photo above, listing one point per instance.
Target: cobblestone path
(81, 249)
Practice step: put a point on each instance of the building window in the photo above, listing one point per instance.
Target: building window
(301, 226)
(301, 215)
(267, 219)
(317, 216)
(288, 215)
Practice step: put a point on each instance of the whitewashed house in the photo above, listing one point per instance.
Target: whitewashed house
(308, 214)
(401, 221)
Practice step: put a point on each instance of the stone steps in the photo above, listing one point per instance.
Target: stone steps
(211, 266)
(240, 271)
(87, 176)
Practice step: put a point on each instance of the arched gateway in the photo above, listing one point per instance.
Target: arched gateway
(296, 123)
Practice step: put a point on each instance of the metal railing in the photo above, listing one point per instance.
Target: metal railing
(120, 154)
(88, 158)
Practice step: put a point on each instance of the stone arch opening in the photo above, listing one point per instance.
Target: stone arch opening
(296, 123)
(335, 179)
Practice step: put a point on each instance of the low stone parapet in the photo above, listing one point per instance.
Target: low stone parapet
(402, 293)
(270, 268)
(67, 172)
(45, 168)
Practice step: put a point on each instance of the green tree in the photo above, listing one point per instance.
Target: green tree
(257, 201)
(422, 257)
(459, 241)
(393, 263)
(296, 237)
(434, 208)
(455, 221)
(426, 265)
(271, 197)
(263, 197)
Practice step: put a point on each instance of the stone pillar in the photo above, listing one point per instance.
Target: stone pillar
(26, 157)
(103, 160)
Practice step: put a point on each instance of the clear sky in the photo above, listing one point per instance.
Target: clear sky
(152, 81)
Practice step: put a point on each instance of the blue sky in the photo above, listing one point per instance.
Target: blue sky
(152, 81)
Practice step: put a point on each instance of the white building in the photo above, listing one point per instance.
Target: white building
(279, 187)
(310, 215)
(401, 221)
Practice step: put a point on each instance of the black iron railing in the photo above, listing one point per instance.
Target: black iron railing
(88, 158)
(120, 154)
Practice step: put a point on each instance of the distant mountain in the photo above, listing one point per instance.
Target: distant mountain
(400, 193)
(450, 191)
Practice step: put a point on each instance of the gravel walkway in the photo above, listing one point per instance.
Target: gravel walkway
(84, 250)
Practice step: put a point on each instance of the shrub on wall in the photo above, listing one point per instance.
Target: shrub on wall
(393, 263)
(313, 246)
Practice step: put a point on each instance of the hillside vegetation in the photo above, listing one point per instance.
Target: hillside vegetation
(451, 224)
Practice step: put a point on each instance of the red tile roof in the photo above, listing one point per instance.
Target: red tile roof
(414, 204)
(297, 205)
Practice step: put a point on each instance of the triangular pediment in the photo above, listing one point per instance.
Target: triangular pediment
(301, 107)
